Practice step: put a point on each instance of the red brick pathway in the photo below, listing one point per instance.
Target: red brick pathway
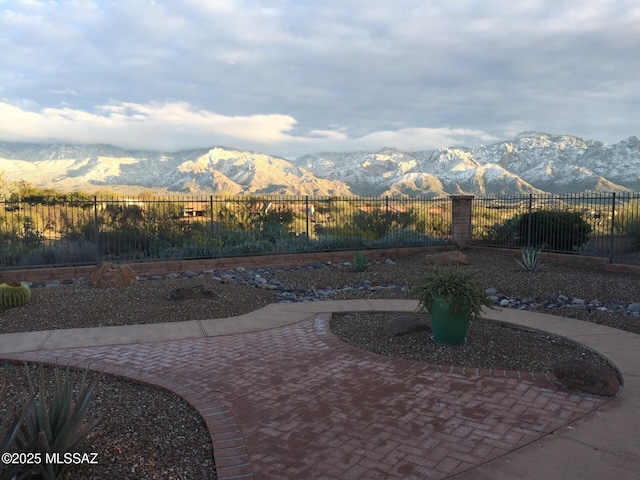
(295, 402)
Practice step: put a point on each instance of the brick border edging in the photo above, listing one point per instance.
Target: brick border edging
(177, 266)
(295, 260)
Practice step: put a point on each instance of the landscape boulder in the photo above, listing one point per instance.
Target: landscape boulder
(580, 375)
(455, 257)
(108, 275)
(405, 324)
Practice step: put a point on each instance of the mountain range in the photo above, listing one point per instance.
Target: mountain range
(532, 162)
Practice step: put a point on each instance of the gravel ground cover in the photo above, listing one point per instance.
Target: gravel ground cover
(133, 452)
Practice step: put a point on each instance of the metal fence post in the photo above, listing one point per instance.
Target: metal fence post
(306, 208)
(387, 219)
(95, 228)
(213, 231)
(529, 221)
(613, 221)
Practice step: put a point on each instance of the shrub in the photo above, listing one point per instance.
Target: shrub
(504, 234)
(65, 252)
(553, 230)
(633, 230)
(461, 288)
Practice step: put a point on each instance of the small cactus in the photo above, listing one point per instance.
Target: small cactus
(14, 294)
(360, 262)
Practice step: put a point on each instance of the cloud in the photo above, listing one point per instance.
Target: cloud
(174, 126)
(338, 74)
(155, 126)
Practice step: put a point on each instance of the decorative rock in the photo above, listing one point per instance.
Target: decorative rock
(580, 375)
(634, 307)
(577, 301)
(403, 324)
(455, 257)
(504, 302)
(548, 297)
(190, 293)
(108, 275)
(491, 291)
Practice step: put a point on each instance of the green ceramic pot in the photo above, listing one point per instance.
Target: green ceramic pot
(450, 321)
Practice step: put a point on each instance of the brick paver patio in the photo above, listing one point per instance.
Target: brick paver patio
(297, 403)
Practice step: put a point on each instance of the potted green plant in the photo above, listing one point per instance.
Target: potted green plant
(454, 297)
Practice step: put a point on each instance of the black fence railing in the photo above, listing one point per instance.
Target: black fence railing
(51, 231)
(36, 232)
(597, 224)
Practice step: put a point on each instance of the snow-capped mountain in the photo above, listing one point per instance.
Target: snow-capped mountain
(531, 162)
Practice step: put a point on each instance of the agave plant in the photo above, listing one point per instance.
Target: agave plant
(59, 426)
(530, 259)
(9, 429)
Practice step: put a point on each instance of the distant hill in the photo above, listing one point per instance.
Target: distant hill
(532, 162)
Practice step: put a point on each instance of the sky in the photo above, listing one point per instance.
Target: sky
(295, 77)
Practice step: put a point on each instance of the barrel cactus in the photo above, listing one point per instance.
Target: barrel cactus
(14, 294)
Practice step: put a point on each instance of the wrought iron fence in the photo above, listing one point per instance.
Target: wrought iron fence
(598, 224)
(84, 230)
(54, 231)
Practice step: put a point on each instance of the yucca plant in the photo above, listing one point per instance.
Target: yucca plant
(530, 259)
(59, 426)
(360, 262)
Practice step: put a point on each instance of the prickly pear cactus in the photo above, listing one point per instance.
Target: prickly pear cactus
(14, 294)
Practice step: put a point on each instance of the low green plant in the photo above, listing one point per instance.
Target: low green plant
(461, 289)
(360, 262)
(14, 294)
(57, 420)
(530, 259)
(585, 249)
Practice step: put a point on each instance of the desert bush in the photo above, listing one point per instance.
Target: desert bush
(62, 253)
(407, 237)
(633, 230)
(331, 243)
(553, 230)
(505, 233)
